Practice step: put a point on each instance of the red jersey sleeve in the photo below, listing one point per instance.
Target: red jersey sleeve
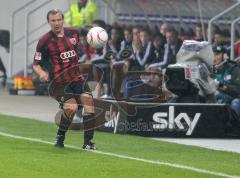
(40, 53)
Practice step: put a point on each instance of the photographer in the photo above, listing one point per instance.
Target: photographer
(227, 77)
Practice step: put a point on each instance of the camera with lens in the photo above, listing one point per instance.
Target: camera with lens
(189, 79)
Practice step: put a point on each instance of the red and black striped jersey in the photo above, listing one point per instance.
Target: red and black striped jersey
(59, 54)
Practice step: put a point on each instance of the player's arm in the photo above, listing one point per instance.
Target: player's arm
(39, 57)
(43, 75)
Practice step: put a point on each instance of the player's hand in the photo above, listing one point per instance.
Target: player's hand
(43, 76)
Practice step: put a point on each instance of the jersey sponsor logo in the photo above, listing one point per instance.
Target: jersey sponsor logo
(38, 56)
(73, 41)
(66, 55)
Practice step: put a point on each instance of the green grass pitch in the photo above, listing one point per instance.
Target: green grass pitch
(23, 159)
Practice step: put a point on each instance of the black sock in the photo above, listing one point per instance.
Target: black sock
(65, 122)
(88, 124)
(61, 132)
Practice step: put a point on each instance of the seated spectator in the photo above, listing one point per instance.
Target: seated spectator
(126, 44)
(144, 55)
(182, 34)
(227, 76)
(187, 34)
(120, 66)
(163, 28)
(128, 37)
(190, 35)
(171, 49)
(114, 43)
(136, 43)
(81, 13)
(143, 85)
(218, 39)
(200, 32)
(158, 45)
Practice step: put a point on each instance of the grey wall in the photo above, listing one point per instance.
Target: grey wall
(37, 23)
(6, 9)
(38, 26)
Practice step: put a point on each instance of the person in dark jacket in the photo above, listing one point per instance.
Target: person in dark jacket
(171, 49)
(227, 77)
(144, 55)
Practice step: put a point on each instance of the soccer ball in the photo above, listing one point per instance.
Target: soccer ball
(97, 37)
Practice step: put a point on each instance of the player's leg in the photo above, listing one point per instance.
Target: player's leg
(86, 100)
(65, 117)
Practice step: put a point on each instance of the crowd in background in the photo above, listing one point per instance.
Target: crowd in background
(153, 49)
(140, 48)
(160, 44)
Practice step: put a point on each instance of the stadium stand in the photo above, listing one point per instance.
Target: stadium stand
(182, 15)
(165, 10)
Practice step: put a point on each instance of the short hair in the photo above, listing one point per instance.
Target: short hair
(199, 25)
(100, 23)
(146, 30)
(157, 35)
(128, 28)
(171, 29)
(137, 27)
(53, 12)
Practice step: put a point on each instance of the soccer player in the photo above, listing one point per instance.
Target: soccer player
(58, 49)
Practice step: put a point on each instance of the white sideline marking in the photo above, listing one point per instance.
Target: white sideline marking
(227, 145)
(126, 157)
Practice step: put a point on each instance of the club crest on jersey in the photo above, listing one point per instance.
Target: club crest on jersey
(73, 41)
(38, 56)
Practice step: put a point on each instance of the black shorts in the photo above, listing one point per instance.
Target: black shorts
(63, 91)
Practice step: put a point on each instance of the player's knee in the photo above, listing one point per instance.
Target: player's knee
(71, 107)
(69, 113)
(87, 97)
(87, 101)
